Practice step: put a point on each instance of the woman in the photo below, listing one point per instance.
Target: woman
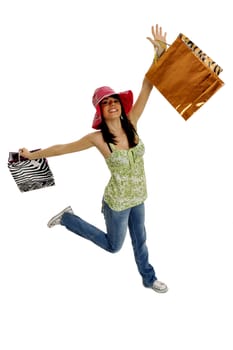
(117, 140)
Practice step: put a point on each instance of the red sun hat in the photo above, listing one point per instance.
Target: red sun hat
(126, 98)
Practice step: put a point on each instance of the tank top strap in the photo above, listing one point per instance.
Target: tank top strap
(111, 146)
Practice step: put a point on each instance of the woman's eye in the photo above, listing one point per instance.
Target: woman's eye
(106, 102)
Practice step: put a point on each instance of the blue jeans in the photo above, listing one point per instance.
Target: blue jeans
(117, 223)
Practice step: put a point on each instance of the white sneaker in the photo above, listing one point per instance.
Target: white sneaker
(159, 287)
(55, 220)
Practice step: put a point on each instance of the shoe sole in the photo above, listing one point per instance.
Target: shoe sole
(160, 290)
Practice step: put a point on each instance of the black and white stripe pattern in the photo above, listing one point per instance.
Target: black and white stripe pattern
(31, 174)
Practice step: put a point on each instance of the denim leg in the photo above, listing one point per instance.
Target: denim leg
(138, 238)
(116, 224)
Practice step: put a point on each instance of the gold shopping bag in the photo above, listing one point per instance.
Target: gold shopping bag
(185, 76)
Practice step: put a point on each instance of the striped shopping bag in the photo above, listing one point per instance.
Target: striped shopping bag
(30, 174)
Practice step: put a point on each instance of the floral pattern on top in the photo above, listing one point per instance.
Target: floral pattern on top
(127, 185)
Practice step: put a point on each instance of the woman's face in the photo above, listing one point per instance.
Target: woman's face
(110, 108)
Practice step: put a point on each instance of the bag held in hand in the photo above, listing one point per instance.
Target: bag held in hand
(186, 76)
(30, 174)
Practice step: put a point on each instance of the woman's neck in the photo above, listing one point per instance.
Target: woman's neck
(115, 127)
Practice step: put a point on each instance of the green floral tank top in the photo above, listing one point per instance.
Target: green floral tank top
(127, 185)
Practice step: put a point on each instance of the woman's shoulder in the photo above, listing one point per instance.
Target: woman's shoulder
(96, 137)
(97, 140)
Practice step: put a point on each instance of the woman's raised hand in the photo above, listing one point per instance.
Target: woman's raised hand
(158, 39)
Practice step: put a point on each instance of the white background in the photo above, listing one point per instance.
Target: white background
(59, 291)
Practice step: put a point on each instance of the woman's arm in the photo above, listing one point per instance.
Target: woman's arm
(159, 43)
(57, 150)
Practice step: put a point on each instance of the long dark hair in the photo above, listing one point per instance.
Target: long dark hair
(126, 124)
